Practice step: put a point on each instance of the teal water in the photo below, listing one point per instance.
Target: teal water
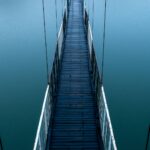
(23, 70)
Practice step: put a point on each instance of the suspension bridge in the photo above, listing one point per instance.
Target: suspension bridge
(75, 114)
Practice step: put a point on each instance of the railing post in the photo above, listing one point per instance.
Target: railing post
(68, 4)
(40, 142)
(105, 134)
(45, 121)
(103, 127)
(83, 6)
(109, 146)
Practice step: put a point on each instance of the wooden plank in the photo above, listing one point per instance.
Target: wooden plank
(75, 121)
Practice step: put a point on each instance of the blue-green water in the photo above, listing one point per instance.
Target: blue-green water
(23, 69)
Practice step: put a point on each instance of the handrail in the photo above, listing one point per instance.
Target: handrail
(107, 134)
(46, 112)
(37, 139)
(109, 120)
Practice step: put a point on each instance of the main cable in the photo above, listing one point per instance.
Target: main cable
(104, 38)
(62, 2)
(93, 9)
(45, 39)
(56, 15)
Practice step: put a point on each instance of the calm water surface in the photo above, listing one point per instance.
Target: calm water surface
(23, 70)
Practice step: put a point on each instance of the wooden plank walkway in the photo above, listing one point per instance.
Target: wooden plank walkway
(74, 124)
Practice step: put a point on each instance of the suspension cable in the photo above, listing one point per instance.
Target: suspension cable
(45, 39)
(93, 9)
(56, 15)
(62, 2)
(87, 7)
(104, 36)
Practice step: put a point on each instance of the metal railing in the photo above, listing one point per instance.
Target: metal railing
(46, 113)
(104, 117)
(47, 108)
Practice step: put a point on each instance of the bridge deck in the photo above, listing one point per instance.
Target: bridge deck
(74, 124)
